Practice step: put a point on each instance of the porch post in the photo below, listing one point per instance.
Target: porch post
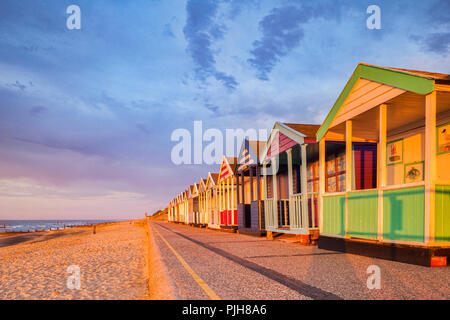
(321, 181)
(232, 201)
(227, 199)
(258, 183)
(430, 166)
(215, 213)
(243, 187)
(207, 207)
(304, 186)
(382, 169)
(224, 195)
(251, 184)
(228, 204)
(275, 192)
(348, 168)
(258, 193)
(220, 198)
(292, 215)
(265, 193)
(265, 180)
(290, 182)
(238, 189)
(211, 205)
(202, 216)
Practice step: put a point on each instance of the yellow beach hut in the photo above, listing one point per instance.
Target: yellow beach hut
(192, 202)
(180, 209)
(211, 201)
(396, 200)
(171, 213)
(202, 215)
(185, 207)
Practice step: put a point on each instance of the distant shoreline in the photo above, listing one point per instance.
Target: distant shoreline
(68, 227)
(15, 227)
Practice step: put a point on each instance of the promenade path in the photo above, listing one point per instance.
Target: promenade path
(205, 264)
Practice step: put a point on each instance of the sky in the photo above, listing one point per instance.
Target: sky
(87, 115)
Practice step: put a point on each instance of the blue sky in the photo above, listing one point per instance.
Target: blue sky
(86, 115)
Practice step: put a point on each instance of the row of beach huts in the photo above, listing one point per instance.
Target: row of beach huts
(372, 179)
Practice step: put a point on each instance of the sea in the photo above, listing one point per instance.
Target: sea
(46, 225)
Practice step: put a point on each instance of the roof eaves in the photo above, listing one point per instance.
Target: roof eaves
(395, 78)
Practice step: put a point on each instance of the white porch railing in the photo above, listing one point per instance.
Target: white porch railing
(283, 211)
(214, 216)
(276, 212)
(304, 215)
(296, 211)
(270, 213)
(303, 212)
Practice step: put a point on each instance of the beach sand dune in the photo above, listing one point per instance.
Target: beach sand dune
(112, 263)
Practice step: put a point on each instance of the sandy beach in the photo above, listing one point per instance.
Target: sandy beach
(112, 263)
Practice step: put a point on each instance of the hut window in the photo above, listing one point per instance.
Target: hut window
(335, 181)
(313, 177)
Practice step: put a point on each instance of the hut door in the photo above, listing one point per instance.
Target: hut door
(248, 215)
(365, 157)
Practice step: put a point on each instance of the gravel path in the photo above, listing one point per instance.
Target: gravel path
(244, 267)
(112, 264)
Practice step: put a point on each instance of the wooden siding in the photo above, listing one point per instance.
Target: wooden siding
(364, 96)
(296, 180)
(269, 181)
(255, 217)
(334, 215)
(442, 213)
(263, 217)
(280, 143)
(363, 214)
(240, 215)
(404, 214)
(282, 184)
(254, 209)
